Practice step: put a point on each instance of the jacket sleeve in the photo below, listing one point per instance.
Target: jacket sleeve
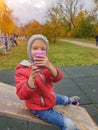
(58, 77)
(21, 80)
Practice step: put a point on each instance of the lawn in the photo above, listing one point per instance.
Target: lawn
(60, 54)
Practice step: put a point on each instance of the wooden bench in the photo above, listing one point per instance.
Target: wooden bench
(12, 106)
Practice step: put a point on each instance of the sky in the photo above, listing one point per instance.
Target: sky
(28, 10)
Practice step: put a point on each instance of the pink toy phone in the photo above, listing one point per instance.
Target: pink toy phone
(37, 53)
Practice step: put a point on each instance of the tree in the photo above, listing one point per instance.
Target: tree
(54, 23)
(32, 28)
(62, 17)
(7, 24)
(96, 3)
(70, 9)
(29, 29)
(84, 24)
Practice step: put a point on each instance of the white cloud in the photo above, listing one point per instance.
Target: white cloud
(88, 4)
(28, 10)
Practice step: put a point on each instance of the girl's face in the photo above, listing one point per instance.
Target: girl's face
(38, 45)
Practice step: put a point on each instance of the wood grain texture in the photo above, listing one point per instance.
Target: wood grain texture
(12, 106)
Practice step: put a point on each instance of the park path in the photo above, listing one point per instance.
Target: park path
(81, 43)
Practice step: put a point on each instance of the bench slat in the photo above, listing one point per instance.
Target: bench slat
(12, 106)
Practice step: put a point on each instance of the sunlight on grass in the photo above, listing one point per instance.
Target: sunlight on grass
(60, 54)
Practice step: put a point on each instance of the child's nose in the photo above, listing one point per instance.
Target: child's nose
(39, 49)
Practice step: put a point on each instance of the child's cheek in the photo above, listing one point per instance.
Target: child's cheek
(32, 53)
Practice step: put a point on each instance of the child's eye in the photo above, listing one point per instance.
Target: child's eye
(34, 48)
(43, 49)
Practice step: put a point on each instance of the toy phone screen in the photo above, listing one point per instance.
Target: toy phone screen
(37, 53)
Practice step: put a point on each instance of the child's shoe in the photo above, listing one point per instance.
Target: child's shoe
(75, 100)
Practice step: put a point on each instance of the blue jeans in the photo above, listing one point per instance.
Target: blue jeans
(57, 118)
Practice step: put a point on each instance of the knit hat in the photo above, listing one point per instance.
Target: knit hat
(30, 42)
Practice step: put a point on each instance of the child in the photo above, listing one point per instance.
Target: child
(34, 83)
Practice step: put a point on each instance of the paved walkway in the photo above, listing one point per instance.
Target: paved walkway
(77, 80)
(82, 43)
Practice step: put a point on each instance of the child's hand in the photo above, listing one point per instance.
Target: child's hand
(34, 71)
(41, 61)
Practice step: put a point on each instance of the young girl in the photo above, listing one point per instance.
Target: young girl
(34, 83)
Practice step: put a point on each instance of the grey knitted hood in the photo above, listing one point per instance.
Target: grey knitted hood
(30, 42)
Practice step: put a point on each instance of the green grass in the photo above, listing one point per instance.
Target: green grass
(60, 54)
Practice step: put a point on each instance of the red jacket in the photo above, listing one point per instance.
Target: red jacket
(43, 89)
